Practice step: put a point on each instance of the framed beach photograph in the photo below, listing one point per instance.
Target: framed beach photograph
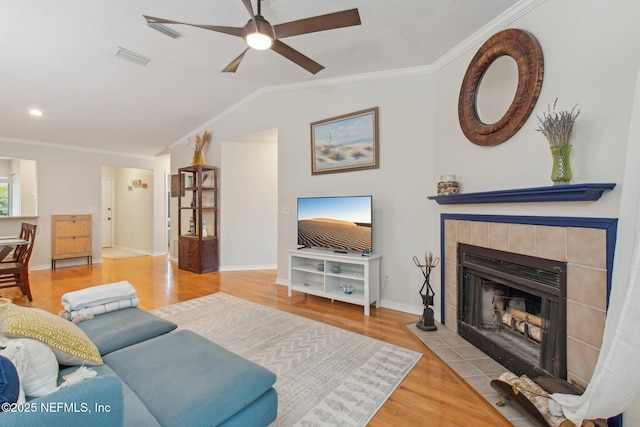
(345, 143)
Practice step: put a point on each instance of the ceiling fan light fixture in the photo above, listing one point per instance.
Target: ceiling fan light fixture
(259, 41)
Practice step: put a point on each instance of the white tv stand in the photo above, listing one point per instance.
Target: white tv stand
(312, 272)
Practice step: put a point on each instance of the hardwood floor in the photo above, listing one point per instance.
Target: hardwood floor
(431, 394)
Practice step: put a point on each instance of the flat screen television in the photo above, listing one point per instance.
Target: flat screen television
(340, 223)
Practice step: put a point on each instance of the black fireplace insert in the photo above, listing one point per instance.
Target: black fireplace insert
(513, 307)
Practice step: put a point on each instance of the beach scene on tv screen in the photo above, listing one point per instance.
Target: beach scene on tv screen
(335, 223)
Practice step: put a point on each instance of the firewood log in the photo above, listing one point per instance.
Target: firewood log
(535, 332)
(527, 317)
(510, 321)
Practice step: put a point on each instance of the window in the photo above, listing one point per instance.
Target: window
(4, 196)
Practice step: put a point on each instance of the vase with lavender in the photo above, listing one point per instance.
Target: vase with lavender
(557, 128)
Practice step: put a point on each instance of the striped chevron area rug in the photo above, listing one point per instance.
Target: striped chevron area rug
(326, 375)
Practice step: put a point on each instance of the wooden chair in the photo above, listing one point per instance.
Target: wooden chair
(16, 273)
(10, 255)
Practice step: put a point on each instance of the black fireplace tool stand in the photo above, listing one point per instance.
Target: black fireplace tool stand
(426, 322)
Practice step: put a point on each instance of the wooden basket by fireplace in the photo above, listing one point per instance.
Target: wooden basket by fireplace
(531, 396)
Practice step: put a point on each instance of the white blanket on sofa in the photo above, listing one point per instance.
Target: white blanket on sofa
(108, 307)
(98, 295)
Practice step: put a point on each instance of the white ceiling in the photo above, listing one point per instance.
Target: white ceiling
(59, 56)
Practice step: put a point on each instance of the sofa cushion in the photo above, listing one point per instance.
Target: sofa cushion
(96, 402)
(70, 345)
(261, 412)
(135, 412)
(122, 328)
(36, 364)
(184, 379)
(9, 382)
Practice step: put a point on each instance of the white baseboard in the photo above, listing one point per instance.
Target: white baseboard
(405, 308)
(247, 267)
(137, 251)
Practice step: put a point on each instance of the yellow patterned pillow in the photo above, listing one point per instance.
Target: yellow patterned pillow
(68, 342)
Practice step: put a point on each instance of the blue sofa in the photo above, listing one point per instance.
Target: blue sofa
(155, 375)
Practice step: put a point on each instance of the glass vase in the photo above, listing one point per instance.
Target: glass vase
(197, 158)
(561, 169)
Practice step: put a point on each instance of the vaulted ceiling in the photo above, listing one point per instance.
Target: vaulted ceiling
(59, 57)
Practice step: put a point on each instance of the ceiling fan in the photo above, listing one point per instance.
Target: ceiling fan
(260, 34)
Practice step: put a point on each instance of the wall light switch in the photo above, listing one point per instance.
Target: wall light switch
(285, 210)
(93, 210)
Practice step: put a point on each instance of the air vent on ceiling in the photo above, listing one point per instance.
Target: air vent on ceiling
(164, 30)
(131, 56)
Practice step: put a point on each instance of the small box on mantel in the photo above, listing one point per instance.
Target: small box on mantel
(448, 185)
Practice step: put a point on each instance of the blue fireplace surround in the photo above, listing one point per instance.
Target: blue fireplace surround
(610, 225)
(564, 193)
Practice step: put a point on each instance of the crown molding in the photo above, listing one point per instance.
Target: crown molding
(501, 22)
(515, 12)
(67, 147)
(332, 81)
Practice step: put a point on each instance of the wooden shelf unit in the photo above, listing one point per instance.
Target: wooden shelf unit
(314, 272)
(71, 237)
(197, 202)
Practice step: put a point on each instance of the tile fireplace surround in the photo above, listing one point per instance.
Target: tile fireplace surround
(586, 244)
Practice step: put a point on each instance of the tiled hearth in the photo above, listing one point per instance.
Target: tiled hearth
(585, 244)
(475, 367)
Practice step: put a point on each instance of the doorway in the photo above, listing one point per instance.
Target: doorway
(127, 209)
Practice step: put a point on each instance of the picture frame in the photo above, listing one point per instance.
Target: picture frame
(345, 143)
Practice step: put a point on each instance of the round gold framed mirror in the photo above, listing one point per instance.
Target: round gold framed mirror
(524, 48)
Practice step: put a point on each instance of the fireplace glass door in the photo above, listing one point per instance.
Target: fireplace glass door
(513, 307)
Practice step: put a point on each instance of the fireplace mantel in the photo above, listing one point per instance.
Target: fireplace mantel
(558, 193)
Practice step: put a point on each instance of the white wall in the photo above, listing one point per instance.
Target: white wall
(69, 181)
(399, 187)
(248, 205)
(591, 58)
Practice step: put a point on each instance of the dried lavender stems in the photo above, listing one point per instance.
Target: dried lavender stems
(557, 126)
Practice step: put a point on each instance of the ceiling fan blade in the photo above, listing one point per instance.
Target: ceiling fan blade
(247, 4)
(234, 31)
(346, 18)
(294, 56)
(233, 66)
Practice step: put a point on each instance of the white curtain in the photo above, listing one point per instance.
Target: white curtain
(616, 380)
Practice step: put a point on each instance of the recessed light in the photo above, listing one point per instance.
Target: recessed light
(35, 112)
